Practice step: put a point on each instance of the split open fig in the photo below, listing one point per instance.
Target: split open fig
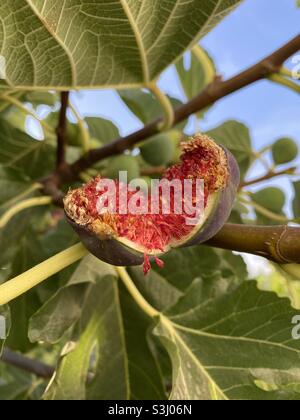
(139, 228)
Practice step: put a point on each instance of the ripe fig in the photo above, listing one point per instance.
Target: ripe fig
(159, 150)
(284, 150)
(131, 238)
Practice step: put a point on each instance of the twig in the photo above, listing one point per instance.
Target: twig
(61, 130)
(283, 81)
(268, 176)
(84, 132)
(155, 170)
(25, 363)
(23, 205)
(216, 90)
(19, 285)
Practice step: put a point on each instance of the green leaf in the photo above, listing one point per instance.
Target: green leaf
(296, 201)
(236, 137)
(12, 183)
(122, 42)
(223, 344)
(163, 287)
(145, 106)
(198, 75)
(41, 98)
(28, 255)
(183, 266)
(94, 365)
(64, 308)
(102, 129)
(146, 382)
(15, 386)
(20, 151)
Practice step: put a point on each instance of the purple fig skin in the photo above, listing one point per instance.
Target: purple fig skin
(224, 207)
(115, 253)
(110, 251)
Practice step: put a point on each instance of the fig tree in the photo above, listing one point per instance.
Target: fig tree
(132, 238)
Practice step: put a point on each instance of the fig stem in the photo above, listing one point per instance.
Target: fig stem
(36, 275)
(265, 212)
(292, 269)
(206, 62)
(281, 80)
(135, 293)
(25, 110)
(286, 72)
(85, 135)
(25, 204)
(23, 195)
(169, 115)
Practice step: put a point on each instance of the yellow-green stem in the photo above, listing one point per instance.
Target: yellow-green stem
(265, 212)
(166, 106)
(292, 269)
(206, 62)
(36, 275)
(85, 136)
(134, 292)
(24, 194)
(286, 72)
(281, 80)
(26, 204)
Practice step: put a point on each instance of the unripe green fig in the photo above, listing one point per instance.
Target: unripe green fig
(73, 134)
(159, 150)
(271, 198)
(122, 163)
(285, 150)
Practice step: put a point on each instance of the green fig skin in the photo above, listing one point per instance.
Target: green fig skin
(284, 150)
(159, 150)
(125, 163)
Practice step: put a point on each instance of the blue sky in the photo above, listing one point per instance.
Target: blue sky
(251, 32)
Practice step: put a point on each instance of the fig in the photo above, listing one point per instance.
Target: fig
(125, 163)
(134, 238)
(159, 150)
(271, 198)
(284, 150)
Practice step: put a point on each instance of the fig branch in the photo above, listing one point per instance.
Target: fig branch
(279, 244)
(270, 175)
(218, 89)
(27, 364)
(61, 131)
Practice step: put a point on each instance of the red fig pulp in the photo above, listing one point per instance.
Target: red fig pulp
(127, 238)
